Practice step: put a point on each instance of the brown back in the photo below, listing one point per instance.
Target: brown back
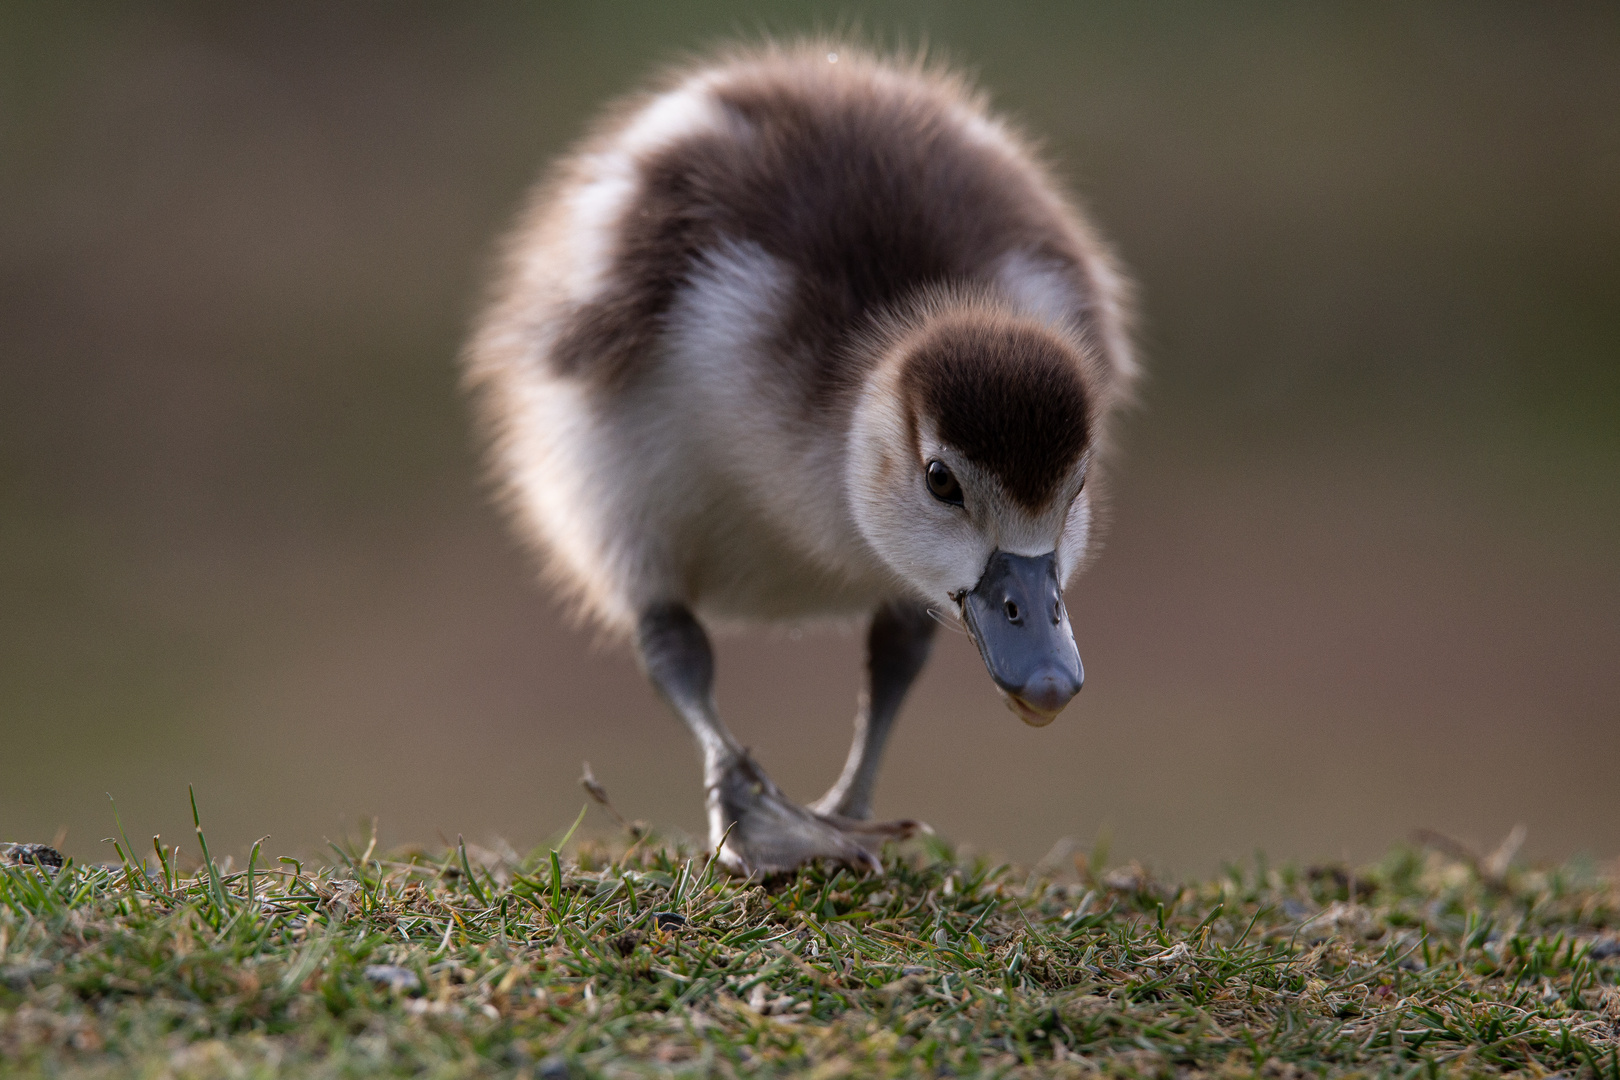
(860, 179)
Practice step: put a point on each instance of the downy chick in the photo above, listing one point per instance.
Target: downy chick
(807, 333)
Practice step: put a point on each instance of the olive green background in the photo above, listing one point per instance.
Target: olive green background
(1364, 569)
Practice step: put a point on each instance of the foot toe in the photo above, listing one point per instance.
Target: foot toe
(764, 832)
(901, 829)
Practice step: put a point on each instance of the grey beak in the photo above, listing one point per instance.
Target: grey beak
(1017, 618)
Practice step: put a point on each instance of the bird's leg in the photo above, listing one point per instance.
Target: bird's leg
(897, 646)
(680, 664)
(754, 827)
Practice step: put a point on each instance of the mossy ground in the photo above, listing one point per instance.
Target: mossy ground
(649, 962)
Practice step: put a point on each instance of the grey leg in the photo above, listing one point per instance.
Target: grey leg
(761, 829)
(680, 664)
(897, 646)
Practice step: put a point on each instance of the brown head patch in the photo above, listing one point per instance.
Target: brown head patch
(1008, 395)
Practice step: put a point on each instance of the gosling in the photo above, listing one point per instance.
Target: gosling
(807, 333)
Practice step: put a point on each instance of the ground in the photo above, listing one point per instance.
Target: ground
(643, 959)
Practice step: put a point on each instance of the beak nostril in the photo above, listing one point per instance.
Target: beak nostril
(1012, 610)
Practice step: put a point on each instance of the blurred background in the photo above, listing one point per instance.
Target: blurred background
(1364, 568)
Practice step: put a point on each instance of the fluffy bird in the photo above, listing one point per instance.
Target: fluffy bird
(807, 332)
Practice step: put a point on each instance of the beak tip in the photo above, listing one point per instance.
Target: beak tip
(1045, 695)
(1050, 689)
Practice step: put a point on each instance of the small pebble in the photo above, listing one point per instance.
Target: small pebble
(554, 1067)
(913, 969)
(1298, 909)
(668, 920)
(941, 938)
(1606, 949)
(393, 976)
(42, 855)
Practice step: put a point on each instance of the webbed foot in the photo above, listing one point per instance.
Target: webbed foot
(765, 832)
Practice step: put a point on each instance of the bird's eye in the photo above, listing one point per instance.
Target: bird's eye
(942, 485)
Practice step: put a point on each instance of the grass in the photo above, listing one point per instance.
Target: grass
(647, 961)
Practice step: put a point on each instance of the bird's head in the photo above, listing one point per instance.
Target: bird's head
(967, 465)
